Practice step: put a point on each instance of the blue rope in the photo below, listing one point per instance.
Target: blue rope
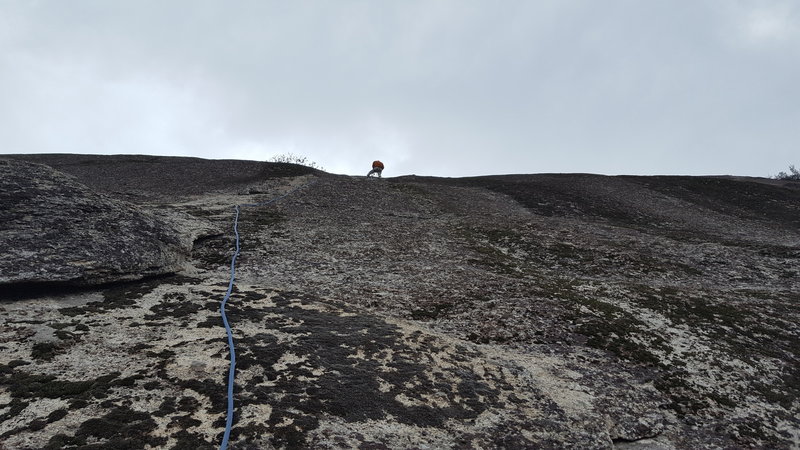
(232, 370)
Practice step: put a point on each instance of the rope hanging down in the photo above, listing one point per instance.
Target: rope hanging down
(232, 370)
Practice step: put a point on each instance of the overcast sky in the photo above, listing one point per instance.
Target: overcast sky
(433, 87)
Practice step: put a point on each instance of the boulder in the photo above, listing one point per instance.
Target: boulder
(55, 230)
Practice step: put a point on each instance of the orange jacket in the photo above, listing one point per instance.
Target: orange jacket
(377, 165)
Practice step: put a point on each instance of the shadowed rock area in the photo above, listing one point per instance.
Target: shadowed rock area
(162, 178)
(520, 311)
(56, 230)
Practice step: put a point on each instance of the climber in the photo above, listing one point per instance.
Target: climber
(377, 168)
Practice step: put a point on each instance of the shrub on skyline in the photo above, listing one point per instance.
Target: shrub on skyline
(291, 158)
(793, 175)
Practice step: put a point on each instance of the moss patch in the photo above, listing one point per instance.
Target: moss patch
(121, 427)
(613, 329)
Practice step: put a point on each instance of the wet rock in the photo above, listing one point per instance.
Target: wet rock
(54, 229)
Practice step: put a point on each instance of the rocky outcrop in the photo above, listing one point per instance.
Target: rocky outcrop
(530, 311)
(162, 178)
(55, 230)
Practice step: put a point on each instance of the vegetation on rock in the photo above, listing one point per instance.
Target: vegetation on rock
(529, 311)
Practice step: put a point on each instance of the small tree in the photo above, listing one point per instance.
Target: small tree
(291, 158)
(793, 175)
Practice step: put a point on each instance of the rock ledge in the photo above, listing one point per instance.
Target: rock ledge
(56, 230)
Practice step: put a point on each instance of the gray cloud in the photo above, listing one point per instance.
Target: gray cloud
(444, 88)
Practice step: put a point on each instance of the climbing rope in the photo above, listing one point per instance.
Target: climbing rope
(232, 370)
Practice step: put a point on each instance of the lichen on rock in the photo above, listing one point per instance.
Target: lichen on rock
(524, 311)
(56, 230)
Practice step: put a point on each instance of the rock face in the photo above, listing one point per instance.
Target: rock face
(163, 178)
(530, 311)
(56, 230)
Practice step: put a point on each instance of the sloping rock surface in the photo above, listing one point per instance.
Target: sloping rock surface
(163, 178)
(526, 311)
(53, 229)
